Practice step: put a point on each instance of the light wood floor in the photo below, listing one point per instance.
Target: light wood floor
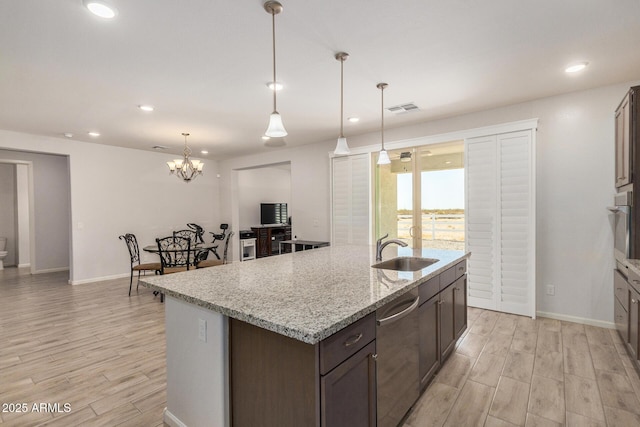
(88, 345)
(104, 353)
(514, 371)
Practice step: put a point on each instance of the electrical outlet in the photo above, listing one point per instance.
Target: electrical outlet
(202, 330)
(551, 290)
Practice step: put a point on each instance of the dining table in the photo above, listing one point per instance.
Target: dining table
(196, 249)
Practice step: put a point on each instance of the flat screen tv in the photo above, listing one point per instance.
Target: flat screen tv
(273, 213)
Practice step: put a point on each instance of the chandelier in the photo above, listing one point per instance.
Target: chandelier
(186, 169)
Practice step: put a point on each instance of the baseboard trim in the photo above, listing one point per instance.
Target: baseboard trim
(582, 320)
(99, 279)
(26, 265)
(171, 419)
(51, 270)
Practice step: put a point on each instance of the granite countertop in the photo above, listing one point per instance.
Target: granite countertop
(306, 295)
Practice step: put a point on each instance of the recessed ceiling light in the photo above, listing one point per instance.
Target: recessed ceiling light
(68, 135)
(94, 134)
(278, 85)
(147, 108)
(354, 119)
(101, 8)
(448, 162)
(265, 138)
(204, 152)
(576, 67)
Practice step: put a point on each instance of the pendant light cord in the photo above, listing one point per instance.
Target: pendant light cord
(382, 115)
(341, 96)
(273, 34)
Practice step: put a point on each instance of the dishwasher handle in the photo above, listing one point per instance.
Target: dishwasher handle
(399, 315)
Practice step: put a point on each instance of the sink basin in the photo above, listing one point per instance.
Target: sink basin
(405, 263)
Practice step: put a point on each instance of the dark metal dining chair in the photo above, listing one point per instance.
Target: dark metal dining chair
(199, 232)
(136, 265)
(175, 254)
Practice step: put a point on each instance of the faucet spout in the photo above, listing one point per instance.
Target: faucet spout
(380, 245)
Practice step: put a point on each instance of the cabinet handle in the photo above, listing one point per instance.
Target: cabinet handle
(636, 281)
(633, 301)
(400, 315)
(460, 268)
(618, 289)
(353, 339)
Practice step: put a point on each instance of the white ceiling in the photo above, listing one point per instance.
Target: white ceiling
(204, 64)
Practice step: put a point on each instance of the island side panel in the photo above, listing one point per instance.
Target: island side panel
(274, 379)
(197, 375)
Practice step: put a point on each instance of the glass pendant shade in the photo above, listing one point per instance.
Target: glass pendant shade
(342, 149)
(276, 127)
(383, 157)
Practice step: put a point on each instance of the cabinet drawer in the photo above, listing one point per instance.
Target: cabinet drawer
(620, 289)
(461, 268)
(346, 342)
(429, 288)
(634, 279)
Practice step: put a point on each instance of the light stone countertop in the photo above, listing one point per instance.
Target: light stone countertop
(306, 295)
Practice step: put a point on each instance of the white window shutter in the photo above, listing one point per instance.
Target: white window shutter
(350, 197)
(481, 221)
(501, 222)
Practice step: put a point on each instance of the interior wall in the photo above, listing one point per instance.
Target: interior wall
(575, 167)
(51, 213)
(115, 190)
(8, 210)
(262, 185)
(309, 207)
(23, 215)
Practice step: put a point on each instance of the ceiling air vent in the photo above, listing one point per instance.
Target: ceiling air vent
(159, 147)
(403, 108)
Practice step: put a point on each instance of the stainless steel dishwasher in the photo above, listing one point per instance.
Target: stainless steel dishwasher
(397, 346)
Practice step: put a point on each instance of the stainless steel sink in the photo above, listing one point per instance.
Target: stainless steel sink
(405, 263)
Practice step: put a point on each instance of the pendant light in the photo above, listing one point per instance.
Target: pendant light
(342, 149)
(185, 168)
(383, 157)
(276, 127)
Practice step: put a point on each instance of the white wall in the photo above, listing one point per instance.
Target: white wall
(51, 200)
(309, 207)
(7, 211)
(261, 185)
(575, 167)
(116, 190)
(24, 232)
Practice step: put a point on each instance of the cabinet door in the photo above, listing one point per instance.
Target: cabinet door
(429, 351)
(634, 307)
(349, 391)
(447, 322)
(622, 320)
(623, 159)
(460, 306)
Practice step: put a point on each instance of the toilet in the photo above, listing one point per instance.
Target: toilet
(3, 252)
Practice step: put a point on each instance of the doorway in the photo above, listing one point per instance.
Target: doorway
(420, 196)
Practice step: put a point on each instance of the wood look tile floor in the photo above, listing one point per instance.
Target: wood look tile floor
(93, 347)
(510, 370)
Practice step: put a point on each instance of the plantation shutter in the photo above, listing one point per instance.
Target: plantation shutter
(501, 222)
(350, 199)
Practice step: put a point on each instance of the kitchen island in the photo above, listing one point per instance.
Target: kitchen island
(245, 339)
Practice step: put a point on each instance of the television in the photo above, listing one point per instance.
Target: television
(273, 213)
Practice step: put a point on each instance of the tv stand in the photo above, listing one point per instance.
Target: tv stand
(268, 238)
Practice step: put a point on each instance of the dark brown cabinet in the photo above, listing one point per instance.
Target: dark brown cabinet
(623, 141)
(279, 381)
(348, 392)
(268, 239)
(443, 318)
(429, 350)
(447, 331)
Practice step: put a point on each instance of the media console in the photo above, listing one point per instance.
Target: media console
(268, 238)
